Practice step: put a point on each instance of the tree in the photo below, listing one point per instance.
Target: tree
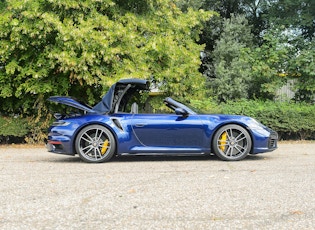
(232, 72)
(269, 64)
(254, 11)
(283, 48)
(296, 18)
(79, 48)
(295, 14)
(303, 67)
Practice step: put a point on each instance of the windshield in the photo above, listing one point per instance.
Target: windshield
(197, 111)
(173, 104)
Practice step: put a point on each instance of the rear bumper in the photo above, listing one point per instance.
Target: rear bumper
(59, 147)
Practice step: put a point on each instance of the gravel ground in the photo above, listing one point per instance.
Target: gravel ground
(41, 190)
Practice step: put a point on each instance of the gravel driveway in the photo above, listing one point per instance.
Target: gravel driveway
(41, 190)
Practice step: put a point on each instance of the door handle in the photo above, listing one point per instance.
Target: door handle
(139, 125)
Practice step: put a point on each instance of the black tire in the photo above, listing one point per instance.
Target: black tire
(95, 144)
(232, 143)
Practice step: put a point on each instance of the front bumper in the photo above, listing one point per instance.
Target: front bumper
(273, 140)
(266, 143)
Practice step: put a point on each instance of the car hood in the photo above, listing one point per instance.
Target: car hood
(71, 102)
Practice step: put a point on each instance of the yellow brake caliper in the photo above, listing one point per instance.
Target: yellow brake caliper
(222, 141)
(105, 146)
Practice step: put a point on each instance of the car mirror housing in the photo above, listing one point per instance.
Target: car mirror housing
(181, 112)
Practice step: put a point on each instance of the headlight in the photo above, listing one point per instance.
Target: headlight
(254, 124)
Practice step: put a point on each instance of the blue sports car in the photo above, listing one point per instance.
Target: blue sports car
(114, 126)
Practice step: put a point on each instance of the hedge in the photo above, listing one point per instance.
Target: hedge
(13, 129)
(290, 120)
(16, 129)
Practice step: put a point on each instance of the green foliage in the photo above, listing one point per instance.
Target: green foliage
(232, 72)
(267, 63)
(208, 105)
(290, 120)
(282, 45)
(80, 48)
(184, 5)
(295, 13)
(19, 129)
(13, 126)
(304, 68)
(67, 47)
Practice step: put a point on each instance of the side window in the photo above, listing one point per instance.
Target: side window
(133, 103)
(144, 103)
(154, 105)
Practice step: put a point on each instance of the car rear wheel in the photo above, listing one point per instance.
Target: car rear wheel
(232, 143)
(95, 144)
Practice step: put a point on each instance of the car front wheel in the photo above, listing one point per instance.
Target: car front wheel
(232, 143)
(95, 144)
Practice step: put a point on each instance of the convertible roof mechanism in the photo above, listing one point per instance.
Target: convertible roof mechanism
(116, 97)
(139, 83)
(111, 100)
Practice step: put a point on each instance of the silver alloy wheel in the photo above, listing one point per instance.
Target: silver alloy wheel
(95, 143)
(232, 142)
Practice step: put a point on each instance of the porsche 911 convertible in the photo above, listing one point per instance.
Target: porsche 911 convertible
(114, 126)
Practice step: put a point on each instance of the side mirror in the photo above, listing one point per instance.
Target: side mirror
(181, 112)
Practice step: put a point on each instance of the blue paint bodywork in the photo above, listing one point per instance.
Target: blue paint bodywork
(188, 133)
(158, 133)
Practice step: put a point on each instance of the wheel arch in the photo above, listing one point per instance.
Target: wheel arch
(94, 123)
(215, 130)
